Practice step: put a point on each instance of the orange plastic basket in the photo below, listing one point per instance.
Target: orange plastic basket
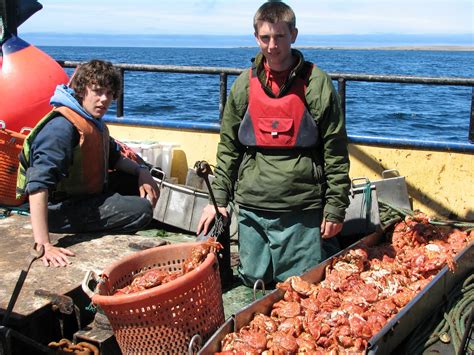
(11, 144)
(162, 319)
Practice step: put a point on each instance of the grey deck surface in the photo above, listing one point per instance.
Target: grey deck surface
(93, 252)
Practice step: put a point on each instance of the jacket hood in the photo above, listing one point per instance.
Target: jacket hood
(64, 96)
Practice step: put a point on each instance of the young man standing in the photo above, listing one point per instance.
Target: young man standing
(65, 165)
(282, 156)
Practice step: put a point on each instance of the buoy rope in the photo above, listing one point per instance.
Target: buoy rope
(451, 328)
(389, 212)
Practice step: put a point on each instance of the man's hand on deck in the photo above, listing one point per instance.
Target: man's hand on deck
(39, 220)
(208, 215)
(148, 186)
(54, 256)
(330, 229)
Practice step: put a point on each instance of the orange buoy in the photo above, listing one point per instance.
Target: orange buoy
(28, 78)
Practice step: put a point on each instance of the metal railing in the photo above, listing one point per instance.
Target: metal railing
(341, 78)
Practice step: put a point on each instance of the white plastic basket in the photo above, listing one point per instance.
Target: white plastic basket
(159, 154)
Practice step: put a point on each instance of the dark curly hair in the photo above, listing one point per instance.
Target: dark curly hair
(95, 72)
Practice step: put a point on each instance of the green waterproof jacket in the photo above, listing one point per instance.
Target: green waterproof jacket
(286, 179)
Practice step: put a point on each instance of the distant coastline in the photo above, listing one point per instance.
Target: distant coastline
(396, 48)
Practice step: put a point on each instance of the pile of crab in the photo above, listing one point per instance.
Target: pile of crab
(155, 277)
(363, 289)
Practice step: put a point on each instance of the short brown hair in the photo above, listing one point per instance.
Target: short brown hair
(273, 12)
(95, 72)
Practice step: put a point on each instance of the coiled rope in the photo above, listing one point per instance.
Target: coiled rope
(454, 316)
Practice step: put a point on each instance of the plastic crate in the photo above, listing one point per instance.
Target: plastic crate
(11, 144)
(158, 154)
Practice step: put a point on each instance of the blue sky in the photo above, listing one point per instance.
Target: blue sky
(225, 17)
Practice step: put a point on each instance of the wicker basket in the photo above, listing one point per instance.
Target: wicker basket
(162, 319)
(11, 144)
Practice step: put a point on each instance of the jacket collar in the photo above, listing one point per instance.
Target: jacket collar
(258, 64)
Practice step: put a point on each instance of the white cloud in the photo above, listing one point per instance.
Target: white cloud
(235, 17)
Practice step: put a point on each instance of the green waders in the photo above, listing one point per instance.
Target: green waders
(276, 245)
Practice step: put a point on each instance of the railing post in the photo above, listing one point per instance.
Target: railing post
(222, 94)
(471, 122)
(341, 89)
(121, 93)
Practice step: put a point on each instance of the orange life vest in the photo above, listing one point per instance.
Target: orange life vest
(89, 169)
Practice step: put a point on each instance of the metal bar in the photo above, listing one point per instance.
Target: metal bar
(471, 122)
(412, 144)
(120, 98)
(203, 170)
(165, 68)
(35, 254)
(335, 76)
(223, 94)
(405, 79)
(341, 88)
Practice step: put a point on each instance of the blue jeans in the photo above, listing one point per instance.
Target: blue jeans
(122, 211)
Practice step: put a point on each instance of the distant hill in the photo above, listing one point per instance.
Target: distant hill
(216, 41)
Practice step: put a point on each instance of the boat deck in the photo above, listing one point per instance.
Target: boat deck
(93, 252)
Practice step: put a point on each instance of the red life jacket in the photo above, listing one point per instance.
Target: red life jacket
(282, 122)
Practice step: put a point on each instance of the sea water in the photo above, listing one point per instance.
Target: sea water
(411, 111)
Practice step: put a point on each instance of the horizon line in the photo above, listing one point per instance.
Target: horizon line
(251, 35)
